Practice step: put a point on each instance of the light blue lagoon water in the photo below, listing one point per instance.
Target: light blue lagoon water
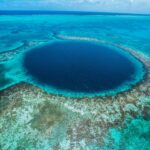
(24, 38)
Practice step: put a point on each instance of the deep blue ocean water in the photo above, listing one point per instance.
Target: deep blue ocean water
(79, 66)
(46, 12)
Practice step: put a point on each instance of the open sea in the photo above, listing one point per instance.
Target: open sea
(74, 80)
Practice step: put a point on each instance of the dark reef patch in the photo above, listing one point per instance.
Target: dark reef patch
(79, 66)
(48, 116)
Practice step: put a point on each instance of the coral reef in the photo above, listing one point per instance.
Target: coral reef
(31, 118)
(77, 122)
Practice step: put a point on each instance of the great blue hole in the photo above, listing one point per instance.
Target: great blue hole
(79, 66)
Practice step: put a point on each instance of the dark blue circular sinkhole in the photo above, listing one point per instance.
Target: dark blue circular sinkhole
(79, 66)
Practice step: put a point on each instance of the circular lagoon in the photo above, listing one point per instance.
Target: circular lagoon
(82, 67)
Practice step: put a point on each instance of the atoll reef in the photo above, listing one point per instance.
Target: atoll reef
(36, 116)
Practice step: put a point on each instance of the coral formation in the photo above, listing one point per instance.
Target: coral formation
(31, 118)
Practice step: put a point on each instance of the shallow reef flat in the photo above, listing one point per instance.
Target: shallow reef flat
(31, 118)
(10, 54)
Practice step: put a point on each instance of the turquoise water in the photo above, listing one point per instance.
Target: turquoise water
(135, 136)
(127, 30)
(18, 31)
(19, 34)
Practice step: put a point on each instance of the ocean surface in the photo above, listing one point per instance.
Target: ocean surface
(78, 54)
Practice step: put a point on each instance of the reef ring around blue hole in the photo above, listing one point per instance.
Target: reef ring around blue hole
(82, 67)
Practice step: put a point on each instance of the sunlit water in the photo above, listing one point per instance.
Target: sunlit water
(30, 51)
